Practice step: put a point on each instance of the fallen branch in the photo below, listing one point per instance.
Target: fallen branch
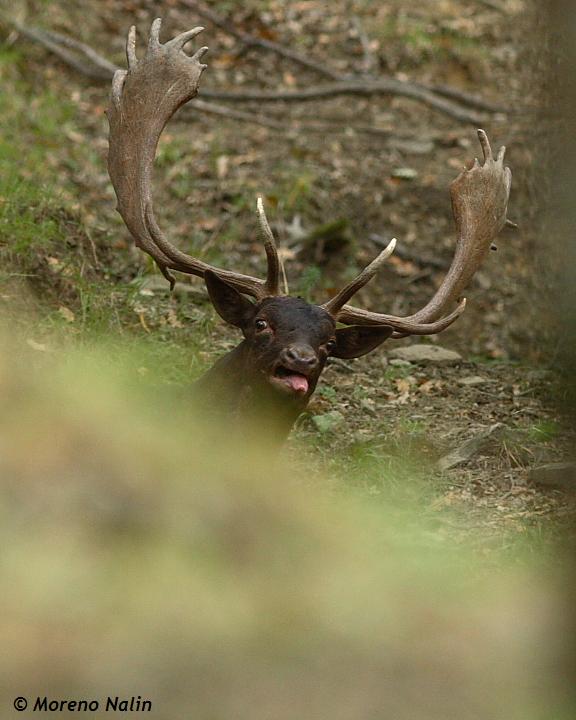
(103, 70)
(93, 71)
(248, 40)
(108, 68)
(99, 68)
(231, 114)
(465, 98)
(358, 88)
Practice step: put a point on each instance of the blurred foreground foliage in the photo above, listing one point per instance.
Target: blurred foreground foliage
(142, 556)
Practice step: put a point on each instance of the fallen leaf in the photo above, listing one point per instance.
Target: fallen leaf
(173, 319)
(222, 164)
(67, 314)
(40, 347)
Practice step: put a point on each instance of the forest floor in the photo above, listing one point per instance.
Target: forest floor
(372, 169)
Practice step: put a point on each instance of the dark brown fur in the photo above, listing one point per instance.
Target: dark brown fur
(280, 334)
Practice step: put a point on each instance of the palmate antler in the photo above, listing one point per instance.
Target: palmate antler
(479, 202)
(143, 99)
(146, 96)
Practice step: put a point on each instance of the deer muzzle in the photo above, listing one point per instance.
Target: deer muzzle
(295, 366)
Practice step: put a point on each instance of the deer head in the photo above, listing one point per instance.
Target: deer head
(286, 340)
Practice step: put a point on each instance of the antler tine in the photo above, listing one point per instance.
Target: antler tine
(403, 326)
(131, 48)
(184, 263)
(143, 100)
(479, 202)
(335, 304)
(272, 284)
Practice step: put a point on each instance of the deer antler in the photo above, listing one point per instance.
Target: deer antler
(143, 100)
(335, 304)
(479, 202)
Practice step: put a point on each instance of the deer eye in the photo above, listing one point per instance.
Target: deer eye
(330, 345)
(260, 325)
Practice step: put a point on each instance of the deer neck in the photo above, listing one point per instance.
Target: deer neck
(236, 393)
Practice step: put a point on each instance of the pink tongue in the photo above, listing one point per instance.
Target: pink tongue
(298, 383)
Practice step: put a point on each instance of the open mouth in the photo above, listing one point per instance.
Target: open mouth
(290, 381)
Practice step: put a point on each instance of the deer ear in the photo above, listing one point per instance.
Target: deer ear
(357, 340)
(231, 305)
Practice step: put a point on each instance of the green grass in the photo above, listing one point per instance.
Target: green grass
(31, 126)
(545, 430)
(27, 221)
(46, 251)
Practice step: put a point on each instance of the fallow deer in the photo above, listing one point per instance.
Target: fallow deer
(287, 341)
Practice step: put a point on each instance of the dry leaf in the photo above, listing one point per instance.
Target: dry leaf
(402, 385)
(430, 385)
(222, 164)
(40, 347)
(66, 313)
(172, 319)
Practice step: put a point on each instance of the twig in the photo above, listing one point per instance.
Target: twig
(108, 68)
(251, 41)
(472, 101)
(368, 61)
(92, 71)
(324, 125)
(227, 112)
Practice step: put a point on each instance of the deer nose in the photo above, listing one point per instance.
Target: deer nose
(299, 355)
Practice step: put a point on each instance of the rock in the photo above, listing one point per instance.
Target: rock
(151, 284)
(422, 354)
(474, 380)
(468, 449)
(328, 422)
(405, 173)
(559, 475)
